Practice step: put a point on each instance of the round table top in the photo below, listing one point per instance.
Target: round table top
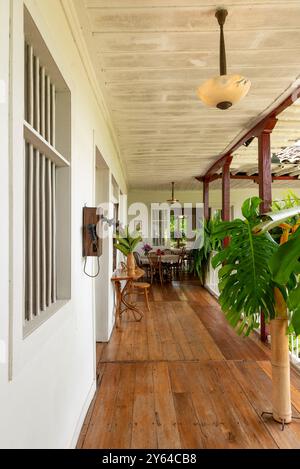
(123, 274)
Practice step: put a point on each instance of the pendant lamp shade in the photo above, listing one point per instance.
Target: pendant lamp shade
(225, 90)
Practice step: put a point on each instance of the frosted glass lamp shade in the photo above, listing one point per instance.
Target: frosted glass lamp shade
(223, 91)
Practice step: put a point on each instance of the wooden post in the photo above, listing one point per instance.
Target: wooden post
(226, 190)
(226, 194)
(206, 198)
(265, 185)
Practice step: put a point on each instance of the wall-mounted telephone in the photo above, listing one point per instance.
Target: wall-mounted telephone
(92, 231)
(91, 243)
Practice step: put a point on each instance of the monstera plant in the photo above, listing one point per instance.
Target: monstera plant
(258, 274)
(202, 255)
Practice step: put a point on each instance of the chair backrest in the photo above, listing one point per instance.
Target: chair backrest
(137, 259)
(182, 256)
(154, 260)
(167, 251)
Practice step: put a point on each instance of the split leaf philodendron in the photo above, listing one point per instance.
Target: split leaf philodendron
(257, 274)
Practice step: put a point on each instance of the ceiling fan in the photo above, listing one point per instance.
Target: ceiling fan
(224, 90)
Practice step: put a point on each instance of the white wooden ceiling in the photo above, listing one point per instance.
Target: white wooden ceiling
(150, 57)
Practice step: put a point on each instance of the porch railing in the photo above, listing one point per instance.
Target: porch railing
(212, 285)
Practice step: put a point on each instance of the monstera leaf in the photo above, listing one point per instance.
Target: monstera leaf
(245, 280)
(285, 261)
(294, 308)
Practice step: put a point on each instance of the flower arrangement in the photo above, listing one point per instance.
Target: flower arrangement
(147, 248)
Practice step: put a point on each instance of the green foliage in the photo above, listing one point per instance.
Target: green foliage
(201, 256)
(244, 277)
(285, 261)
(126, 242)
(251, 267)
(290, 200)
(285, 268)
(250, 208)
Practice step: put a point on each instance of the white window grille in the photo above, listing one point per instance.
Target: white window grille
(43, 182)
(160, 223)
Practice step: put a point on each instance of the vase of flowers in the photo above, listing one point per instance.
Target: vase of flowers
(146, 249)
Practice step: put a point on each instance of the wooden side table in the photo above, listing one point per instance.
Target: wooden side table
(122, 301)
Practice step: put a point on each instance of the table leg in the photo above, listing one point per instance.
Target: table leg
(125, 292)
(118, 291)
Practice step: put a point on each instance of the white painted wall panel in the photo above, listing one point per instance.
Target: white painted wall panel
(53, 369)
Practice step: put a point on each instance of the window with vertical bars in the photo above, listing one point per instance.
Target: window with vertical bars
(42, 162)
(160, 225)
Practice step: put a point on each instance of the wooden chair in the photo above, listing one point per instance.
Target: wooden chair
(155, 267)
(178, 266)
(141, 287)
(139, 263)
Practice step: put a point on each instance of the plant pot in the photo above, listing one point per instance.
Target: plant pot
(130, 263)
(281, 391)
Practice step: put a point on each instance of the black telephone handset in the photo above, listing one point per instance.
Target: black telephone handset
(91, 243)
(92, 230)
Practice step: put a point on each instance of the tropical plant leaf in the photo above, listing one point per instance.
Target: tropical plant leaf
(134, 242)
(123, 241)
(201, 256)
(250, 208)
(294, 307)
(122, 248)
(285, 260)
(245, 281)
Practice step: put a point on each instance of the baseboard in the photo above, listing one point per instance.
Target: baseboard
(82, 416)
(211, 291)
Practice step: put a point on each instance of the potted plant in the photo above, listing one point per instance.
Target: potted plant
(126, 243)
(202, 255)
(258, 274)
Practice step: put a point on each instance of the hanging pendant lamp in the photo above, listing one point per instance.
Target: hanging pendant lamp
(225, 90)
(173, 200)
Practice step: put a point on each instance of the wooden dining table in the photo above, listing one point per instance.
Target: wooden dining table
(165, 258)
(122, 280)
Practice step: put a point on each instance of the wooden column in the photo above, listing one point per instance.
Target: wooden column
(206, 198)
(226, 190)
(264, 171)
(265, 185)
(226, 194)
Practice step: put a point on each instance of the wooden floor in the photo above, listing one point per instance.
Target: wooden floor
(182, 378)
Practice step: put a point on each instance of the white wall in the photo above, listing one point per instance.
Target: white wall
(104, 294)
(237, 196)
(48, 379)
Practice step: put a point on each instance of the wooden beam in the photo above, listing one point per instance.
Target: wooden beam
(217, 165)
(265, 188)
(264, 168)
(226, 195)
(226, 190)
(206, 198)
(254, 177)
(255, 131)
(287, 102)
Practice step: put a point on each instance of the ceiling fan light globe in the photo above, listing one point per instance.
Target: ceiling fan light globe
(223, 91)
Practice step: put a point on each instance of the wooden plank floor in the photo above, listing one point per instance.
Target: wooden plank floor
(182, 378)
